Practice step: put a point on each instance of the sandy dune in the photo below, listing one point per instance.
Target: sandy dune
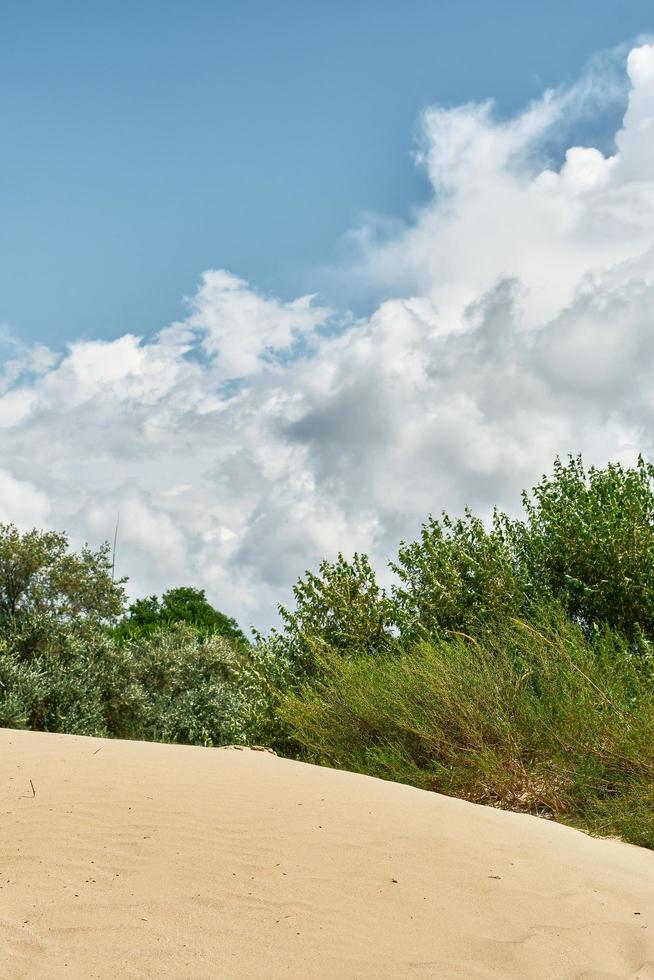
(122, 859)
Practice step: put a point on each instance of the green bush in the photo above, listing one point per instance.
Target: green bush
(74, 680)
(459, 577)
(171, 686)
(585, 541)
(40, 576)
(168, 672)
(188, 687)
(536, 717)
(342, 608)
(588, 540)
(182, 605)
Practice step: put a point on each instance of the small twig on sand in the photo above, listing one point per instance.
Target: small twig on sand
(96, 751)
(26, 796)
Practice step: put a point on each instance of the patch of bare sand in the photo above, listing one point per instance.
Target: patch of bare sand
(129, 859)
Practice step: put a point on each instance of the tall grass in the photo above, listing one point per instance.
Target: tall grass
(536, 718)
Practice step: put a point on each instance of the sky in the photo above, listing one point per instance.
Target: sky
(280, 280)
(146, 142)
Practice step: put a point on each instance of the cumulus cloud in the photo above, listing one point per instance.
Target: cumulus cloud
(243, 331)
(28, 505)
(256, 436)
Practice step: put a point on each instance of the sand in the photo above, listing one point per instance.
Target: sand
(126, 859)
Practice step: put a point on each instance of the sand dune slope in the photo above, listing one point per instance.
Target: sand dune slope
(136, 860)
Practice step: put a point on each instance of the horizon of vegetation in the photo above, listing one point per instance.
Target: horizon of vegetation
(511, 663)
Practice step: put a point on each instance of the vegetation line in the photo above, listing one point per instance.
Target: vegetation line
(512, 663)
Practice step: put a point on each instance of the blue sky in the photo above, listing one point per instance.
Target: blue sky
(145, 142)
(366, 340)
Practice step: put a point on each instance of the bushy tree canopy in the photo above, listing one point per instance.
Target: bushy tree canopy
(341, 608)
(181, 605)
(458, 577)
(587, 539)
(40, 576)
(584, 542)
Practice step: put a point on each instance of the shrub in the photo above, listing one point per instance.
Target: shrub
(588, 540)
(459, 577)
(182, 605)
(342, 608)
(171, 686)
(74, 679)
(188, 687)
(40, 576)
(536, 717)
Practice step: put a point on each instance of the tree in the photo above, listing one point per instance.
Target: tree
(40, 577)
(181, 605)
(588, 541)
(585, 543)
(341, 608)
(459, 577)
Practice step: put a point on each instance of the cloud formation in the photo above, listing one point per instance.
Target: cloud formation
(254, 437)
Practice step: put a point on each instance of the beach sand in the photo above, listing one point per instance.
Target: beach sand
(127, 859)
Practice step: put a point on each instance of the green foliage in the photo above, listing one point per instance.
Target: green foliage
(459, 577)
(536, 717)
(588, 540)
(173, 676)
(517, 661)
(39, 576)
(342, 608)
(74, 680)
(188, 687)
(266, 673)
(146, 617)
(171, 686)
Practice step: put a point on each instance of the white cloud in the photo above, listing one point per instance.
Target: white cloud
(21, 503)
(244, 331)
(244, 443)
